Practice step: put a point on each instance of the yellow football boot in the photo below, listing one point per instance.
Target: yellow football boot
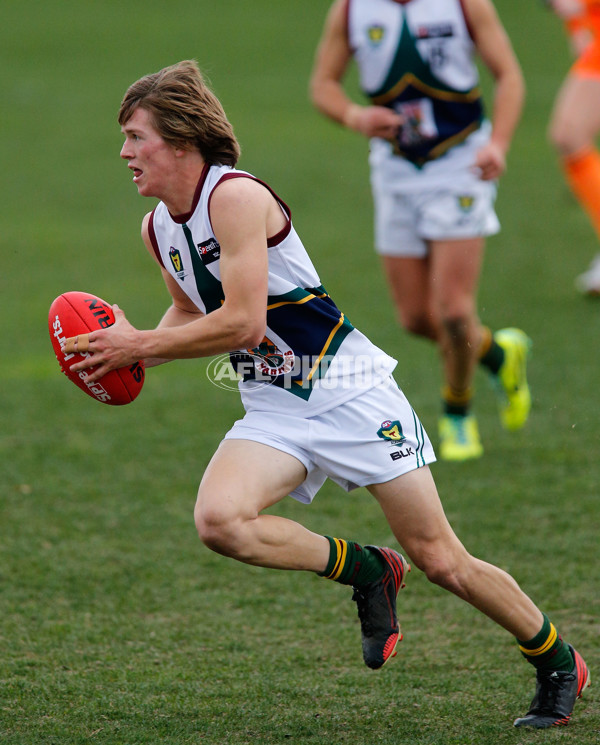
(459, 438)
(515, 397)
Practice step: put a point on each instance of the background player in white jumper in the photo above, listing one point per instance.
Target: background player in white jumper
(435, 160)
(230, 257)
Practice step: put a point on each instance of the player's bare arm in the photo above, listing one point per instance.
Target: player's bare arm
(181, 310)
(241, 320)
(327, 93)
(496, 52)
(239, 214)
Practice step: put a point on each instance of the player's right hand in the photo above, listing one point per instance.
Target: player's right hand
(373, 121)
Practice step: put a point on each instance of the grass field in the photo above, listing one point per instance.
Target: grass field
(117, 626)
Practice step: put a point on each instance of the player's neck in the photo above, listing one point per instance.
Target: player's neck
(180, 191)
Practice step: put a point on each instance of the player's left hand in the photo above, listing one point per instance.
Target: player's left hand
(490, 162)
(106, 349)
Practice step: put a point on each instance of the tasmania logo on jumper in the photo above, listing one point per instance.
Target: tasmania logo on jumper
(209, 251)
(392, 432)
(175, 256)
(375, 34)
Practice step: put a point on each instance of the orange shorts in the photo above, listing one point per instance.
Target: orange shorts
(588, 64)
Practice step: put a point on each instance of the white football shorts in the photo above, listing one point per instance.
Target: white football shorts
(405, 221)
(370, 439)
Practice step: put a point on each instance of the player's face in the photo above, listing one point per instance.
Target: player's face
(152, 160)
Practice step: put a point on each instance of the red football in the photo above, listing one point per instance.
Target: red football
(74, 313)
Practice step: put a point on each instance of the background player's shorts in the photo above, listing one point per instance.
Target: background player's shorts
(370, 439)
(404, 222)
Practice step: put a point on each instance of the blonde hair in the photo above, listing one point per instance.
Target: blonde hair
(184, 111)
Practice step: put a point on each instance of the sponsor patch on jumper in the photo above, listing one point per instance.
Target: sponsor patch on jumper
(435, 31)
(209, 251)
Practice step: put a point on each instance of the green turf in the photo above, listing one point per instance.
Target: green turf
(116, 626)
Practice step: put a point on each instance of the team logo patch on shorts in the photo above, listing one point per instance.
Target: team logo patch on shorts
(466, 202)
(392, 432)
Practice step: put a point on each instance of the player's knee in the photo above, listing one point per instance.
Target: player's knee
(216, 529)
(438, 558)
(457, 324)
(440, 572)
(448, 570)
(558, 138)
(419, 324)
(565, 139)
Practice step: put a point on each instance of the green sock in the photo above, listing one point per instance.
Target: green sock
(456, 402)
(455, 409)
(493, 358)
(547, 650)
(352, 564)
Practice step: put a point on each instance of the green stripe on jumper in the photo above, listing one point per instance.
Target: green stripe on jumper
(209, 287)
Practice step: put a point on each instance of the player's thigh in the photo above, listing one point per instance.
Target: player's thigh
(245, 477)
(575, 119)
(408, 279)
(455, 272)
(416, 516)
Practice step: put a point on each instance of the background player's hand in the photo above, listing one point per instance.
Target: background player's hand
(572, 12)
(373, 121)
(490, 162)
(108, 349)
(566, 9)
(580, 39)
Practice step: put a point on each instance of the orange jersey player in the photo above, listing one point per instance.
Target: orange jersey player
(575, 120)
